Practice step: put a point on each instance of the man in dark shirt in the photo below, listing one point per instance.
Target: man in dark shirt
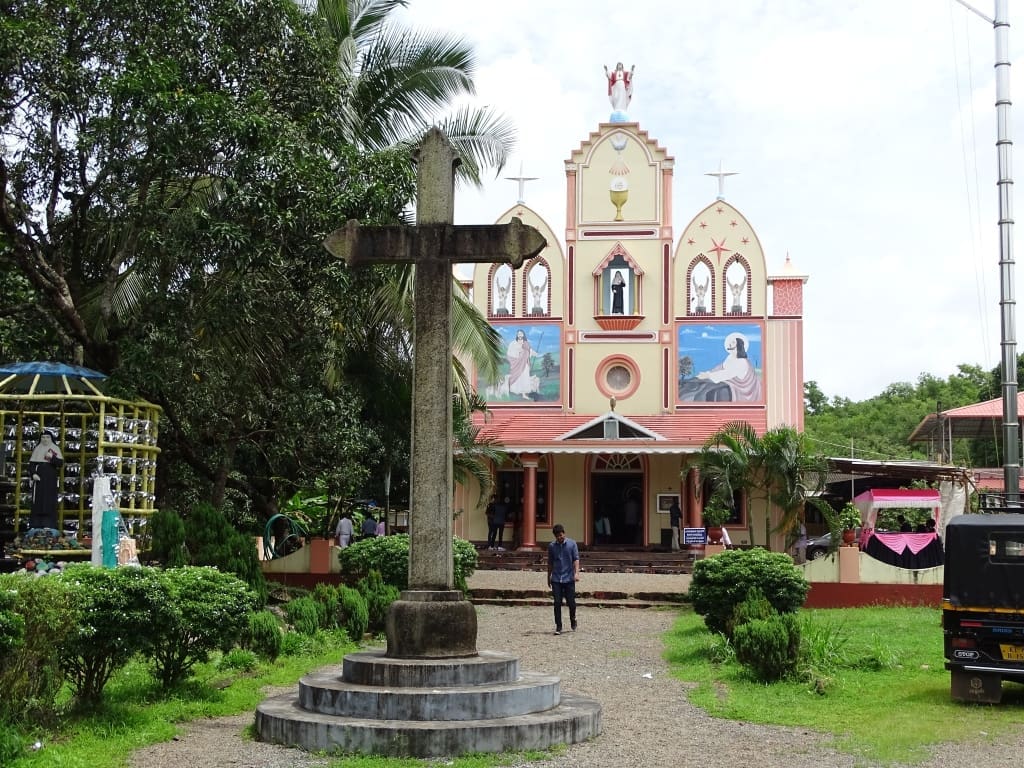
(369, 526)
(563, 573)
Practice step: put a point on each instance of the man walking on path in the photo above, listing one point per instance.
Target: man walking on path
(563, 573)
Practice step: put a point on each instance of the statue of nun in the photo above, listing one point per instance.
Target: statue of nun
(44, 464)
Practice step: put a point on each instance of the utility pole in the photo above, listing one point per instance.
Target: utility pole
(1007, 302)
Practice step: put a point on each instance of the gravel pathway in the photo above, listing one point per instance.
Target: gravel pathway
(615, 657)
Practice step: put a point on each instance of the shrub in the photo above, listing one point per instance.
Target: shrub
(12, 626)
(720, 583)
(211, 540)
(352, 613)
(262, 635)
(327, 596)
(754, 606)
(240, 659)
(209, 611)
(390, 556)
(768, 647)
(304, 614)
(167, 545)
(379, 597)
(119, 613)
(31, 674)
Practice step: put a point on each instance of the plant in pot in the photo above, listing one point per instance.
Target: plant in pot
(849, 520)
(716, 512)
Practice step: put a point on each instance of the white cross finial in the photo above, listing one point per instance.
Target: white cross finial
(522, 183)
(721, 179)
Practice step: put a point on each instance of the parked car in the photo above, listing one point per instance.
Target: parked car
(820, 545)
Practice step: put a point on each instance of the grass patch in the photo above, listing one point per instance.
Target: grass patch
(872, 677)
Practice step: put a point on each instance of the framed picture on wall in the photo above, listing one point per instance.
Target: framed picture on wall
(665, 502)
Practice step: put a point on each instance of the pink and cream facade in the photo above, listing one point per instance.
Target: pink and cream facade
(626, 350)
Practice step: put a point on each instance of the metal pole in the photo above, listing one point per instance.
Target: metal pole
(1007, 303)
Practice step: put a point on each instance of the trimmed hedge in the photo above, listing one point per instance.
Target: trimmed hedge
(390, 556)
(722, 582)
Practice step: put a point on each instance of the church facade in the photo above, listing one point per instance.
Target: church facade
(626, 350)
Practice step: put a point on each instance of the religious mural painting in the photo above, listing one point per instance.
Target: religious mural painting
(720, 363)
(531, 371)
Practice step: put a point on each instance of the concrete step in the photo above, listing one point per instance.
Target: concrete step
(282, 720)
(326, 693)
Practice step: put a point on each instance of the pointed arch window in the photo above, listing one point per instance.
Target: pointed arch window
(736, 292)
(700, 287)
(501, 291)
(537, 289)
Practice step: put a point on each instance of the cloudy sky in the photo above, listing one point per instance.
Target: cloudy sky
(862, 131)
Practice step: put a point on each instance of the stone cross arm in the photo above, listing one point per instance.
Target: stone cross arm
(425, 243)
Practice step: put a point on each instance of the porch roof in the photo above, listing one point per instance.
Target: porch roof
(537, 431)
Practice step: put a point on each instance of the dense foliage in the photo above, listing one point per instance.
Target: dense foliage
(172, 170)
(209, 611)
(878, 428)
(31, 674)
(389, 556)
(722, 582)
(113, 607)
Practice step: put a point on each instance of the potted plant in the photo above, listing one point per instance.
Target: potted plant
(849, 520)
(715, 515)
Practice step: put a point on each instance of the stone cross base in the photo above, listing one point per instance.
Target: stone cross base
(375, 704)
(431, 624)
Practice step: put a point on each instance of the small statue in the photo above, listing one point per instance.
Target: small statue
(620, 86)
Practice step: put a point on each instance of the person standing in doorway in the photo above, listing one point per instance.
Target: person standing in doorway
(563, 573)
(675, 518)
(498, 520)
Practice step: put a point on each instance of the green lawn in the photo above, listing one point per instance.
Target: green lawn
(877, 683)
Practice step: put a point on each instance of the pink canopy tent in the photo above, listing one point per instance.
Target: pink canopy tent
(871, 501)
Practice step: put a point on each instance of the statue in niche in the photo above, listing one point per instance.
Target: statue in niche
(739, 295)
(44, 464)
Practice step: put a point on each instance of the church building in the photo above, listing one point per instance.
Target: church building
(627, 349)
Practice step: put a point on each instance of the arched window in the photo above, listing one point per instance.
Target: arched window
(501, 290)
(700, 287)
(737, 286)
(537, 289)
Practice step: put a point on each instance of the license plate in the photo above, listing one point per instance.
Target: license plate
(1012, 652)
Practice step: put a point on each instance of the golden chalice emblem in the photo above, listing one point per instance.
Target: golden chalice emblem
(618, 193)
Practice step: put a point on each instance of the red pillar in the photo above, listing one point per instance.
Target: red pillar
(529, 521)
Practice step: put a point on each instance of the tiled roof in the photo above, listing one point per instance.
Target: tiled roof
(523, 430)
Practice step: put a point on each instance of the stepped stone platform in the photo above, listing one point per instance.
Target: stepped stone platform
(374, 704)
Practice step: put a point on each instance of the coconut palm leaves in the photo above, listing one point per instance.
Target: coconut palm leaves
(777, 466)
(396, 81)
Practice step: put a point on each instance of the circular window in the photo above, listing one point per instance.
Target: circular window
(617, 375)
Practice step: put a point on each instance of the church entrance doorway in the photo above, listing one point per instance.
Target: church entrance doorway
(618, 504)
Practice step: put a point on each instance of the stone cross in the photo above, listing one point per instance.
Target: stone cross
(425, 622)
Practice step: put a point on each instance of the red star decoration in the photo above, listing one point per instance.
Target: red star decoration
(691, 241)
(719, 248)
(719, 209)
(702, 225)
(732, 223)
(745, 241)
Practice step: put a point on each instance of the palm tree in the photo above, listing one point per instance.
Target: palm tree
(397, 81)
(778, 466)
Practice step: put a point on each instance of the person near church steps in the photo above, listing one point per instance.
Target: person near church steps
(563, 573)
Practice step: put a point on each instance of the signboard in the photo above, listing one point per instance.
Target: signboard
(695, 536)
